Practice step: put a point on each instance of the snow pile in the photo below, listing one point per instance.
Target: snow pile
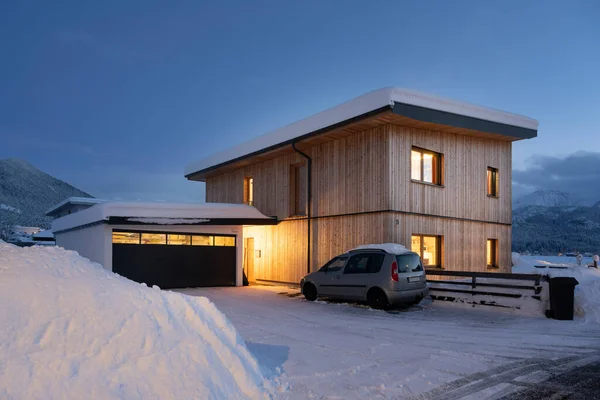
(391, 248)
(587, 292)
(71, 329)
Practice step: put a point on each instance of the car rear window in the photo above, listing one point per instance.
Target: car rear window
(409, 263)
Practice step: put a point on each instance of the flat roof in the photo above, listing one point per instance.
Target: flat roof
(75, 201)
(155, 213)
(406, 102)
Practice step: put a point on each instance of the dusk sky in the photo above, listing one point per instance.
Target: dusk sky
(116, 97)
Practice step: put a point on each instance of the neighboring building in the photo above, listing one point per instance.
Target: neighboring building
(22, 235)
(390, 166)
(171, 245)
(72, 205)
(44, 238)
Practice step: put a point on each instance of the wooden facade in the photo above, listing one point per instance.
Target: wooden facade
(362, 192)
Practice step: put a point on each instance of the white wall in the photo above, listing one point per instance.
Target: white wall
(89, 242)
(216, 229)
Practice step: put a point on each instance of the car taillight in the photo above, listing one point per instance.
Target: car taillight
(395, 271)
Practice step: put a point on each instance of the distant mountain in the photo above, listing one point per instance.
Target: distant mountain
(26, 193)
(548, 198)
(554, 221)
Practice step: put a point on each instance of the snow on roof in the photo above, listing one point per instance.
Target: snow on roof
(75, 200)
(358, 106)
(391, 248)
(44, 234)
(154, 210)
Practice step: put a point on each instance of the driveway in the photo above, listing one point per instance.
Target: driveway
(346, 351)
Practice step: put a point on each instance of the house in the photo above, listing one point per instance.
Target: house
(393, 165)
(72, 205)
(171, 245)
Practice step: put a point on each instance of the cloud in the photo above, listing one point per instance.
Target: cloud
(578, 173)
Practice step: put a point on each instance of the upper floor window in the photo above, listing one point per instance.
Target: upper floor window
(492, 253)
(429, 248)
(426, 166)
(492, 182)
(249, 191)
(298, 189)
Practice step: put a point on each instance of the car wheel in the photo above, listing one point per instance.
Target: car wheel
(377, 299)
(310, 292)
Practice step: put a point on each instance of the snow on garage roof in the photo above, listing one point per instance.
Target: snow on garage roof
(74, 200)
(159, 213)
(386, 97)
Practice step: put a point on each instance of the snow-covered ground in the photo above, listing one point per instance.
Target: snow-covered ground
(70, 329)
(587, 292)
(344, 351)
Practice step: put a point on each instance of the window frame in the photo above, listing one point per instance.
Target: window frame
(167, 233)
(495, 253)
(356, 272)
(438, 164)
(439, 249)
(495, 182)
(249, 190)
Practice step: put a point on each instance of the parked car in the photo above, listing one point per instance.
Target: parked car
(376, 276)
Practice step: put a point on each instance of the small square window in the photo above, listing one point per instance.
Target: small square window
(429, 248)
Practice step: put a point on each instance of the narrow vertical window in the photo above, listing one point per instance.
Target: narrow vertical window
(298, 189)
(492, 253)
(249, 191)
(426, 166)
(429, 248)
(492, 182)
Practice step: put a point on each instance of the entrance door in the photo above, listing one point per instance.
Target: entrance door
(249, 259)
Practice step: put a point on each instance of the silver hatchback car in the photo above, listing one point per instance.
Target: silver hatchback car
(380, 278)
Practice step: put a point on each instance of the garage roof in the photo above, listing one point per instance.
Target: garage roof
(404, 102)
(154, 213)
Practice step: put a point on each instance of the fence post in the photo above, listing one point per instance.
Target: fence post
(473, 281)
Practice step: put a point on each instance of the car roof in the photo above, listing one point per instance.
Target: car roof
(351, 252)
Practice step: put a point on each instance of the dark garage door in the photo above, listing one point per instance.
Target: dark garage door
(176, 266)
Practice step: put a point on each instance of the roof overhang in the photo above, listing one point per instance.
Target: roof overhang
(148, 213)
(385, 106)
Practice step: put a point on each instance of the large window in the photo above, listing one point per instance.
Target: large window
(249, 190)
(492, 253)
(426, 166)
(429, 248)
(181, 239)
(492, 182)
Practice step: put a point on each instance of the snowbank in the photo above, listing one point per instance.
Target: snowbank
(71, 329)
(587, 292)
(392, 248)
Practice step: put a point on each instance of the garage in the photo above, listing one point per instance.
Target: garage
(175, 260)
(170, 245)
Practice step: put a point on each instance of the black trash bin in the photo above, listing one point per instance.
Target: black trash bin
(562, 292)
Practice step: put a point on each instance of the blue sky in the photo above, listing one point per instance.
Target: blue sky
(116, 97)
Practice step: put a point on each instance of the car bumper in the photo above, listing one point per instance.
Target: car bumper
(404, 296)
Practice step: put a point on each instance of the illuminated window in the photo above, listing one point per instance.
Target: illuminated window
(154, 238)
(492, 182)
(492, 253)
(429, 248)
(249, 191)
(426, 166)
(126, 237)
(198, 240)
(178, 239)
(224, 241)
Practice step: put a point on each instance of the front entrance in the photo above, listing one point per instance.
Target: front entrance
(249, 259)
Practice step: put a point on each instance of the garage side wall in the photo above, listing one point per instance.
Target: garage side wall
(89, 242)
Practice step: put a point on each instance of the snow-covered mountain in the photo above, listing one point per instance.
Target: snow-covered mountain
(553, 221)
(548, 198)
(26, 193)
